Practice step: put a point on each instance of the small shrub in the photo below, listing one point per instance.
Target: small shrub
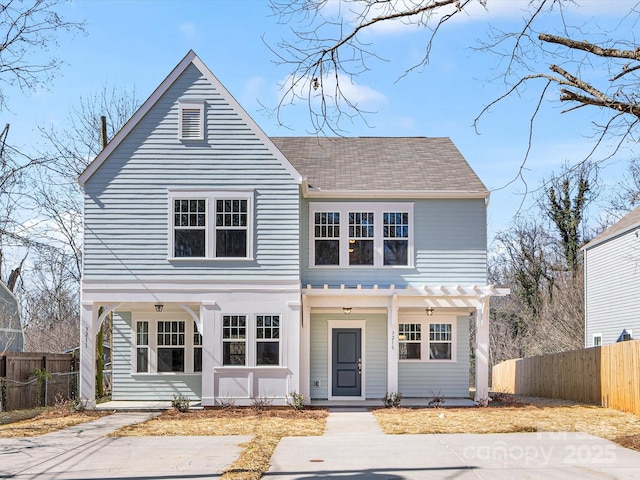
(261, 403)
(437, 400)
(227, 402)
(63, 406)
(180, 403)
(392, 399)
(297, 400)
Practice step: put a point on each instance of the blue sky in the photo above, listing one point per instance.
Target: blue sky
(137, 43)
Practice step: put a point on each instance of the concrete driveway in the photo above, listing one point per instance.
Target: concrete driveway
(353, 448)
(85, 452)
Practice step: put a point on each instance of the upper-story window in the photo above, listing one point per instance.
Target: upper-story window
(191, 121)
(189, 227)
(211, 225)
(231, 227)
(361, 234)
(327, 238)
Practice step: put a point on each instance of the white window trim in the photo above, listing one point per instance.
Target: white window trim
(210, 196)
(267, 340)
(191, 105)
(593, 339)
(424, 342)
(251, 341)
(153, 343)
(378, 208)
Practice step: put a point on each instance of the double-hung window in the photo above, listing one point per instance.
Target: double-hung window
(231, 228)
(171, 339)
(234, 340)
(426, 341)
(440, 341)
(326, 227)
(142, 347)
(211, 225)
(396, 238)
(189, 227)
(410, 340)
(267, 339)
(361, 234)
(197, 349)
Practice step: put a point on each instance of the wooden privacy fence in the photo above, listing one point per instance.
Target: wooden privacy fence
(608, 376)
(22, 388)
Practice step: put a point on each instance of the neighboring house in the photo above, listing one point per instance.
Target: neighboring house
(239, 266)
(612, 283)
(11, 333)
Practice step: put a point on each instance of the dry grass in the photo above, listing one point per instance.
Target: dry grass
(46, 422)
(521, 415)
(266, 427)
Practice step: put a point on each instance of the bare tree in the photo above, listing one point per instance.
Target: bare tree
(52, 320)
(29, 30)
(326, 47)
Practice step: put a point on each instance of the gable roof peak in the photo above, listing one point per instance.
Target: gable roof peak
(189, 59)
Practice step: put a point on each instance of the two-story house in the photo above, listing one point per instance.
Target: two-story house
(237, 266)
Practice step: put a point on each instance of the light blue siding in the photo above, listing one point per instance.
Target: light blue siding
(126, 200)
(131, 386)
(450, 245)
(375, 358)
(448, 379)
(612, 272)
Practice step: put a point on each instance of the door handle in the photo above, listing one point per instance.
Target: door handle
(360, 366)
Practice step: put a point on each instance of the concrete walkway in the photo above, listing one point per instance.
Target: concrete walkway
(354, 448)
(85, 452)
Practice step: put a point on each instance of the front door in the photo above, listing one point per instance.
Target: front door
(346, 362)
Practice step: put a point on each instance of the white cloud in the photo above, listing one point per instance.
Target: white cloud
(474, 11)
(188, 30)
(359, 95)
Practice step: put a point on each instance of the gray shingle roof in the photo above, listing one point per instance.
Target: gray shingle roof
(630, 221)
(381, 164)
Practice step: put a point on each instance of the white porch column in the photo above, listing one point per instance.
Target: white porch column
(305, 353)
(88, 318)
(482, 351)
(209, 344)
(392, 347)
(291, 356)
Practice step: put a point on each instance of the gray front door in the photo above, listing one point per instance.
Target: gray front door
(346, 362)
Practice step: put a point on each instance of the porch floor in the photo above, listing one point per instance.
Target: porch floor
(154, 406)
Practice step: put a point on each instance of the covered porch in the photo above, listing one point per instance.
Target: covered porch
(382, 316)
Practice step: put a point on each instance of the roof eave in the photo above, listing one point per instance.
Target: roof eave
(415, 194)
(597, 241)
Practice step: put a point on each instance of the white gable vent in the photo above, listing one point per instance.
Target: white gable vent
(191, 121)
